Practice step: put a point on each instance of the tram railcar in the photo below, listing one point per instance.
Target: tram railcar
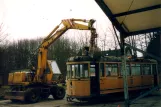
(87, 78)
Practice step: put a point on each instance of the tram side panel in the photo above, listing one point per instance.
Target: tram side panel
(140, 76)
(78, 88)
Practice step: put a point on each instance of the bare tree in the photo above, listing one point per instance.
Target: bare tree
(3, 34)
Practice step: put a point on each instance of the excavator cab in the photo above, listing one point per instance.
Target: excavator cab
(52, 72)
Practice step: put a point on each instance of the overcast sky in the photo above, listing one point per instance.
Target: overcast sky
(36, 18)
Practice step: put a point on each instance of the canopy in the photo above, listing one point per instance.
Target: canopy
(133, 17)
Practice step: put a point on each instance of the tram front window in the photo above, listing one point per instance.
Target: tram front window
(68, 71)
(77, 71)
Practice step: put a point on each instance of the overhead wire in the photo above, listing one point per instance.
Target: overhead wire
(127, 11)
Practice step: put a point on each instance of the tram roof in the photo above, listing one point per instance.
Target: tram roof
(133, 17)
(108, 59)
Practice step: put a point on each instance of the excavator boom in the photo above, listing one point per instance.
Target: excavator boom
(58, 31)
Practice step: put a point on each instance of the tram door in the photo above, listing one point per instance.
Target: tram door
(155, 73)
(94, 78)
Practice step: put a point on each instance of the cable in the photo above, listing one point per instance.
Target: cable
(127, 11)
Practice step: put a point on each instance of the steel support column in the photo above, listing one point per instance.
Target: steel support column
(123, 69)
(159, 62)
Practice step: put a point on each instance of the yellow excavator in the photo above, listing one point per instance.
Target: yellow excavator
(30, 86)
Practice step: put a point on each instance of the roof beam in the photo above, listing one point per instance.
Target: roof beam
(138, 10)
(144, 31)
(109, 14)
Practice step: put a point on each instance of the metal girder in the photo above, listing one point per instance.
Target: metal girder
(144, 94)
(144, 31)
(151, 55)
(137, 10)
(124, 70)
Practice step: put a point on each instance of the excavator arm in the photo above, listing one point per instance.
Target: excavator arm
(54, 35)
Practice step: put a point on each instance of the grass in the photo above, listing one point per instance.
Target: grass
(62, 85)
(2, 90)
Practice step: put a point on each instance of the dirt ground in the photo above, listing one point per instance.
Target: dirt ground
(150, 101)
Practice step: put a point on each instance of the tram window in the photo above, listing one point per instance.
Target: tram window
(135, 69)
(92, 70)
(111, 69)
(146, 69)
(73, 71)
(83, 70)
(102, 72)
(68, 71)
(127, 69)
(77, 71)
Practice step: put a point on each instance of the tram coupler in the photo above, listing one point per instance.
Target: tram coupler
(69, 99)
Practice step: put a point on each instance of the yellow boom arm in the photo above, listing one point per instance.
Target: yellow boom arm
(54, 35)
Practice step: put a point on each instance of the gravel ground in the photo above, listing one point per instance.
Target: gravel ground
(150, 101)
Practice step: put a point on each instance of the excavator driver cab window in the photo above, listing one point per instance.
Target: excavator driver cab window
(32, 72)
(47, 70)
